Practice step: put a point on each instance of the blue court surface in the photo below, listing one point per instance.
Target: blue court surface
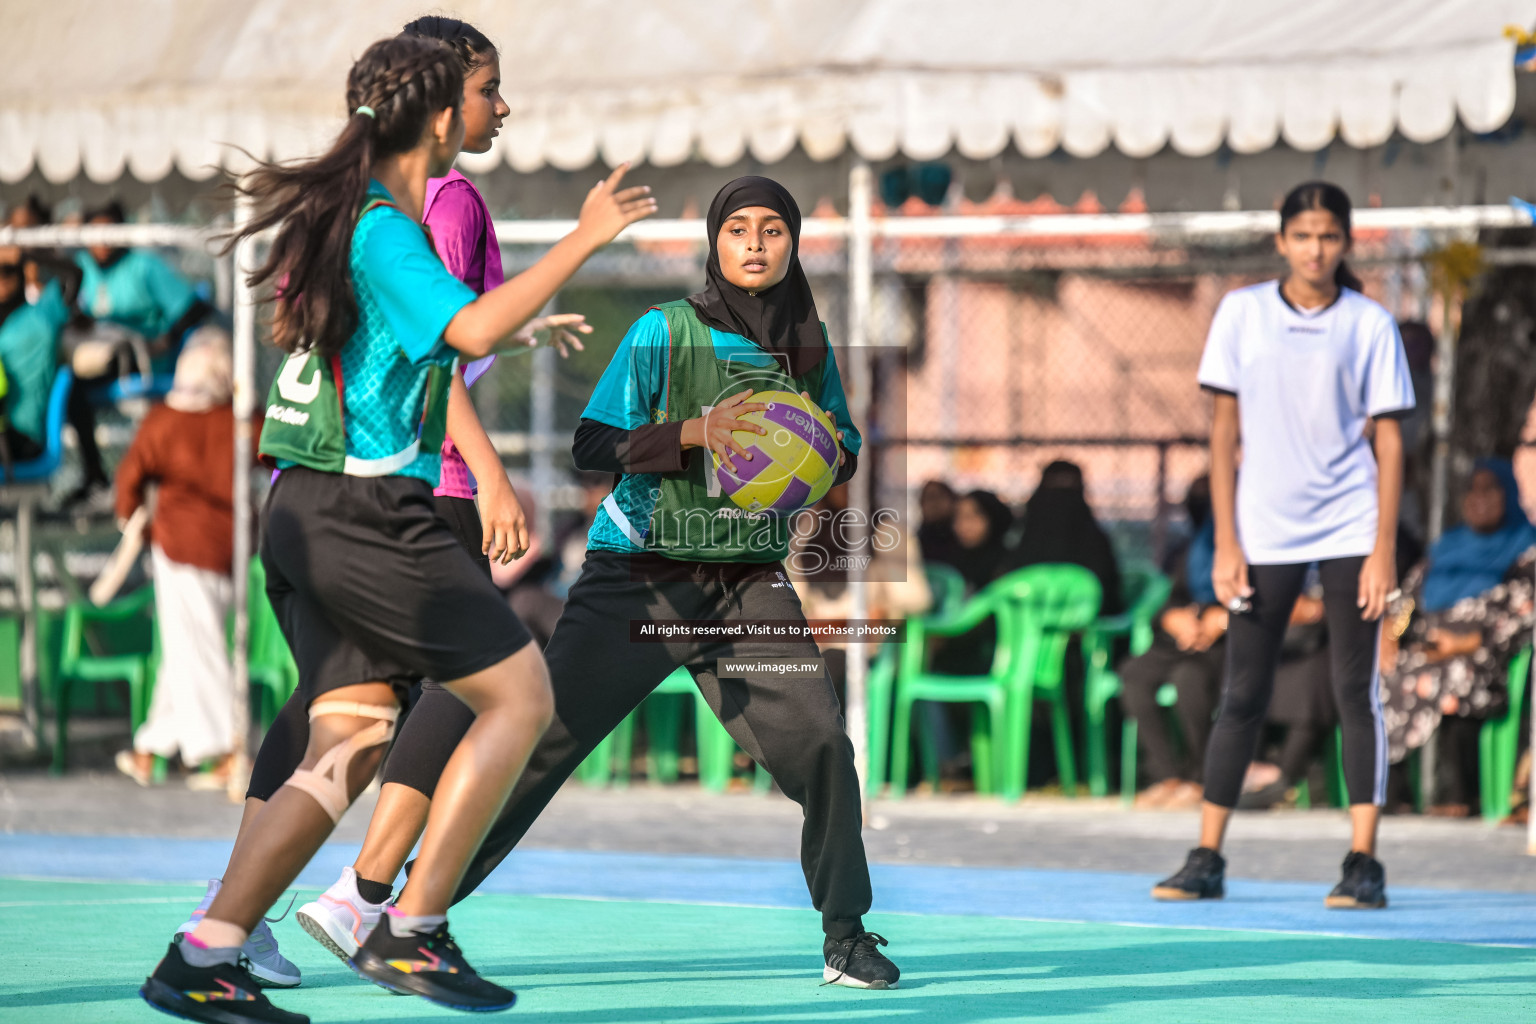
(590, 937)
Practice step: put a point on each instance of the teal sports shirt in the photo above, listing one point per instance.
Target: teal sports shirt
(633, 392)
(29, 349)
(140, 291)
(405, 300)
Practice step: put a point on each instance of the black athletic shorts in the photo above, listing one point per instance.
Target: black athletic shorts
(370, 585)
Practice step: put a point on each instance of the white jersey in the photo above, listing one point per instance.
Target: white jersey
(1306, 382)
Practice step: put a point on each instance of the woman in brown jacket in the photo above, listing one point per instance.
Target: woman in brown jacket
(186, 448)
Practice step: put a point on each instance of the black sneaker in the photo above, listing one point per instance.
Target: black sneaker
(222, 994)
(858, 963)
(430, 965)
(1364, 886)
(1203, 877)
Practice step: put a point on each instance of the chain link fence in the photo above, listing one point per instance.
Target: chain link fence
(991, 356)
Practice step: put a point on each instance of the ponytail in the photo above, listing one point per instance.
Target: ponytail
(1323, 195)
(393, 91)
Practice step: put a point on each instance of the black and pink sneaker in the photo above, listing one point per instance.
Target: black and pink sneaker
(430, 965)
(221, 994)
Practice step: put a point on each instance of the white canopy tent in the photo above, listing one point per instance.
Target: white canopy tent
(103, 89)
(97, 88)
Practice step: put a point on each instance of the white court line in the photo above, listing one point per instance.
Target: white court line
(91, 903)
(768, 906)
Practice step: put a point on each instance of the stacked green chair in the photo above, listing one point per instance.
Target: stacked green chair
(1061, 600)
(273, 673)
(609, 761)
(1145, 591)
(946, 588)
(1036, 609)
(1499, 743)
(1333, 771)
(91, 656)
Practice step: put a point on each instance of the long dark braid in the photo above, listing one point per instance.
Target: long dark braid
(315, 204)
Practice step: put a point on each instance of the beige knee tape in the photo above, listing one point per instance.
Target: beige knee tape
(326, 782)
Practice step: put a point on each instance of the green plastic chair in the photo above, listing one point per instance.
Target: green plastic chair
(10, 662)
(914, 682)
(273, 673)
(1145, 590)
(946, 588)
(89, 657)
(1036, 610)
(1060, 600)
(663, 711)
(1333, 771)
(1499, 743)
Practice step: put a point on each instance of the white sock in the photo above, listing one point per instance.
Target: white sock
(402, 926)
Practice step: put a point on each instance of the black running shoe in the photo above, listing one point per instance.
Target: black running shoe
(1203, 877)
(1364, 886)
(222, 994)
(430, 965)
(858, 963)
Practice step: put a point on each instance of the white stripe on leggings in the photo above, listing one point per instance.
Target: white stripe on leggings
(1380, 790)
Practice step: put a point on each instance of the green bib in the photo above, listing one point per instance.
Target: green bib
(306, 419)
(694, 520)
(306, 415)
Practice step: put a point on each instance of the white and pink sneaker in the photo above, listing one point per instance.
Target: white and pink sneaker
(340, 919)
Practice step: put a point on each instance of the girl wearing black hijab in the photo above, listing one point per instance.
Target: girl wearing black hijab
(1059, 527)
(667, 546)
(980, 526)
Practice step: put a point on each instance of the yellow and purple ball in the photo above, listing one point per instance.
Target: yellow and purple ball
(792, 465)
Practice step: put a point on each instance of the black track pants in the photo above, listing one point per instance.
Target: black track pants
(1197, 677)
(791, 726)
(1253, 650)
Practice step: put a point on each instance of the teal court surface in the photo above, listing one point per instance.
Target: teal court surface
(590, 937)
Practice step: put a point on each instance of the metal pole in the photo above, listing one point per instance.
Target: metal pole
(244, 355)
(860, 280)
(1160, 509)
(1445, 387)
(26, 601)
(1440, 422)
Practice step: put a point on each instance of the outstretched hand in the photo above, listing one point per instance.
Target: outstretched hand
(607, 210)
(562, 328)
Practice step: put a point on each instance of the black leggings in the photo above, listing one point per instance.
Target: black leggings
(1253, 650)
(433, 734)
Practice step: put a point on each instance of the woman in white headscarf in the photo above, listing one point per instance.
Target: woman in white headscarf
(185, 450)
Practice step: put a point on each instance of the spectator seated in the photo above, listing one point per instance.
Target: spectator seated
(41, 469)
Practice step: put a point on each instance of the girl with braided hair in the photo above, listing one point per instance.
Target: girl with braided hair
(370, 586)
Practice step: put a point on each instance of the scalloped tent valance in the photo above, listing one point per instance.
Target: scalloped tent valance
(142, 86)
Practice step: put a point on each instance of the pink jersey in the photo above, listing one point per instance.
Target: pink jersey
(462, 231)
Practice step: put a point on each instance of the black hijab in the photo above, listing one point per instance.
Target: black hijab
(984, 563)
(1059, 527)
(781, 319)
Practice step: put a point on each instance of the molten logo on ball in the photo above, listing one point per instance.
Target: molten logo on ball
(792, 465)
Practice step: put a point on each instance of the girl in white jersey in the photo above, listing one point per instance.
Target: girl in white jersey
(1309, 376)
